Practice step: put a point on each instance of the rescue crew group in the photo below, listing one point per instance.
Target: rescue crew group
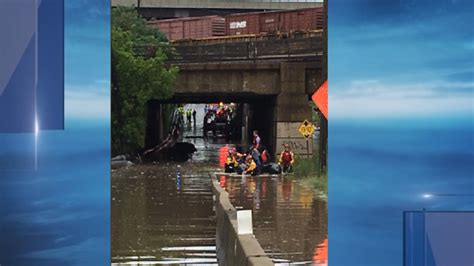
(188, 112)
(257, 160)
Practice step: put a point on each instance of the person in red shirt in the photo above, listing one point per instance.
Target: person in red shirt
(287, 158)
(265, 157)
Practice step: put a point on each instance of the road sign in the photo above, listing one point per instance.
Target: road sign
(320, 98)
(306, 129)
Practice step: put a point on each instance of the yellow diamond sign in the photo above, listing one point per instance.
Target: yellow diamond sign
(306, 129)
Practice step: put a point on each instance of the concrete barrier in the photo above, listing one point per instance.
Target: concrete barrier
(232, 248)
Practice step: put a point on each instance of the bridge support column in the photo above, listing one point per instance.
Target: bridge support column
(154, 125)
(292, 108)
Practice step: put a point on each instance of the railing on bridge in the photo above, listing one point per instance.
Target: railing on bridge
(306, 46)
(220, 4)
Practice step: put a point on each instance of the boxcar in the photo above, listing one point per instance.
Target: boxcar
(275, 21)
(242, 23)
(190, 28)
(302, 20)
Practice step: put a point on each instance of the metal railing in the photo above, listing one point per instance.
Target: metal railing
(298, 47)
(173, 133)
(224, 4)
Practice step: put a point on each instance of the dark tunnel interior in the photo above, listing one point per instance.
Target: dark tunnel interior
(252, 113)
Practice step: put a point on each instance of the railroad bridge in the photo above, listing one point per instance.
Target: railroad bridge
(273, 75)
(190, 8)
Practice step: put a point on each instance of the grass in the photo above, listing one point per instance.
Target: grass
(309, 172)
(319, 183)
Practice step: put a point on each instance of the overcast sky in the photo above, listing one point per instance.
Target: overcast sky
(87, 56)
(387, 58)
(401, 58)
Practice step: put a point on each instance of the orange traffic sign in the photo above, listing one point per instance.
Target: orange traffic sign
(320, 98)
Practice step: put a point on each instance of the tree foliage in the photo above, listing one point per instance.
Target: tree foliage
(135, 79)
(127, 19)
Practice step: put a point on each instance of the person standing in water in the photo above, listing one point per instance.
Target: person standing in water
(287, 158)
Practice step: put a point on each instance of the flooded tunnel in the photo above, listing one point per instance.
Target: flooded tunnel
(252, 113)
(176, 222)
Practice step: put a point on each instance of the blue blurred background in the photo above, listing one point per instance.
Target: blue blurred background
(60, 214)
(401, 127)
(401, 121)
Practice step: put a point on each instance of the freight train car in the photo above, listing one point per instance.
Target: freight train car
(298, 20)
(190, 28)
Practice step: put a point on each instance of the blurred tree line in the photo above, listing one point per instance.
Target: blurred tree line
(135, 78)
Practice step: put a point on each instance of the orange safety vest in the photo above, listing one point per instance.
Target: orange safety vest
(231, 161)
(250, 166)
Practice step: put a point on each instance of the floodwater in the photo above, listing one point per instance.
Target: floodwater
(162, 213)
(288, 220)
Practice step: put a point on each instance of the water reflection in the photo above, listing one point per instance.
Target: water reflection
(161, 213)
(289, 221)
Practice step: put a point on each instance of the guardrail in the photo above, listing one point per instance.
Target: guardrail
(233, 248)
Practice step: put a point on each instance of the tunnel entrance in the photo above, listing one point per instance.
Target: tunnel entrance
(249, 113)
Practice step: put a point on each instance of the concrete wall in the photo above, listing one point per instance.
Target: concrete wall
(233, 249)
(287, 133)
(292, 109)
(243, 78)
(287, 82)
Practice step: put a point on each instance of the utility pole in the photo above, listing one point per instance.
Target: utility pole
(323, 137)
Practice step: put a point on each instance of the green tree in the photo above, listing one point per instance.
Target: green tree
(127, 19)
(135, 78)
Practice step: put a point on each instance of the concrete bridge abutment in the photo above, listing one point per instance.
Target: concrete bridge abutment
(291, 109)
(276, 93)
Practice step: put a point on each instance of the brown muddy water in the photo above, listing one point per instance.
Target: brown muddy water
(162, 213)
(288, 220)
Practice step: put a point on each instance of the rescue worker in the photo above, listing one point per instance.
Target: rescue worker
(188, 115)
(242, 164)
(267, 165)
(256, 158)
(251, 166)
(265, 156)
(287, 158)
(181, 113)
(231, 162)
(213, 124)
(236, 154)
(256, 140)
